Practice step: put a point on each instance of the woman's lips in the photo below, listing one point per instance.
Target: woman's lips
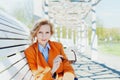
(43, 39)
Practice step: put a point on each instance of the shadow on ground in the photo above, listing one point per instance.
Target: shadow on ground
(86, 69)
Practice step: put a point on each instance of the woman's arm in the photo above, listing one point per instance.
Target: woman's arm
(68, 69)
(38, 72)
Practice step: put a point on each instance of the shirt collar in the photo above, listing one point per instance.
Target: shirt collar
(41, 48)
(48, 45)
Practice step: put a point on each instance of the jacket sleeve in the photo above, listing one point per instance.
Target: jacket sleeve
(29, 54)
(66, 64)
(44, 75)
(38, 72)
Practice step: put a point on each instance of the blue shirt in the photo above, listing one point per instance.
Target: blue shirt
(45, 50)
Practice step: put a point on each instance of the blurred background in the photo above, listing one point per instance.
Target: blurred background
(91, 27)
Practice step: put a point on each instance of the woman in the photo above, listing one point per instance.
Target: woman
(46, 58)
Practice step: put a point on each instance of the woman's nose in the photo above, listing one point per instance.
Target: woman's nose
(43, 35)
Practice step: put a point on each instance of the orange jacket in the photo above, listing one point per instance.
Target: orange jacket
(40, 67)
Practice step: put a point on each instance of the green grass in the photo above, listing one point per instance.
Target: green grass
(109, 48)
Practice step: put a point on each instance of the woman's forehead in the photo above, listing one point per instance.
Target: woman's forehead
(44, 27)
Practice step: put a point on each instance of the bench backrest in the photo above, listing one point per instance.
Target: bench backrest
(13, 40)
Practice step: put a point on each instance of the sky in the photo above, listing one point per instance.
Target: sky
(108, 11)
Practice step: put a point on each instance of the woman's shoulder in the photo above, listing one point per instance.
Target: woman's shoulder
(30, 47)
(55, 43)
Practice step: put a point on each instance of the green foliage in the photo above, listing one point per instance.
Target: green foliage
(69, 33)
(109, 47)
(30, 25)
(19, 14)
(2, 8)
(75, 35)
(89, 34)
(106, 33)
(63, 32)
(100, 31)
(58, 32)
(23, 13)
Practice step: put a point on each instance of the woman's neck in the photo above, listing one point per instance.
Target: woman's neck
(43, 45)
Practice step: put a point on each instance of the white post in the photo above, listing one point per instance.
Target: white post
(60, 33)
(78, 39)
(94, 36)
(72, 36)
(56, 34)
(45, 9)
(82, 37)
(67, 33)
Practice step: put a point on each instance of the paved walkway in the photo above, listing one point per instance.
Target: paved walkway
(109, 60)
(86, 69)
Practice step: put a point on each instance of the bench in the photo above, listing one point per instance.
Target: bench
(14, 38)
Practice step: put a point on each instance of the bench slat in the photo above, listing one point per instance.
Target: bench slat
(3, 22)
(6, 43)
(11, 35)
(8, 29)
(22, 75)
(11, 20)
(11, 50)
(9, 61)
(28, 76)
(13, 70)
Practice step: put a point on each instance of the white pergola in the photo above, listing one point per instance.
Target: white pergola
(67, 13)
(72, 14)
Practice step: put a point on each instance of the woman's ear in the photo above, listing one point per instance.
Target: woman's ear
(35, 39)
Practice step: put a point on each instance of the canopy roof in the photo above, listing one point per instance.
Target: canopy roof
(68, 13)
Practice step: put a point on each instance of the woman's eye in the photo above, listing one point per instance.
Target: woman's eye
(40, 32)
(47, 32)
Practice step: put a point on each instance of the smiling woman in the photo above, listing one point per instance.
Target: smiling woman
(46, 58)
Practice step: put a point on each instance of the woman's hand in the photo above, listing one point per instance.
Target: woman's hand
(56, 63)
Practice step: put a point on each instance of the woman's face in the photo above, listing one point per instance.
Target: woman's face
(44, 34)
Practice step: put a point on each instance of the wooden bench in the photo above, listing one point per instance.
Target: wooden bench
(13, 41)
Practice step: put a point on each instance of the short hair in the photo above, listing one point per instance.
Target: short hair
(37, 26)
